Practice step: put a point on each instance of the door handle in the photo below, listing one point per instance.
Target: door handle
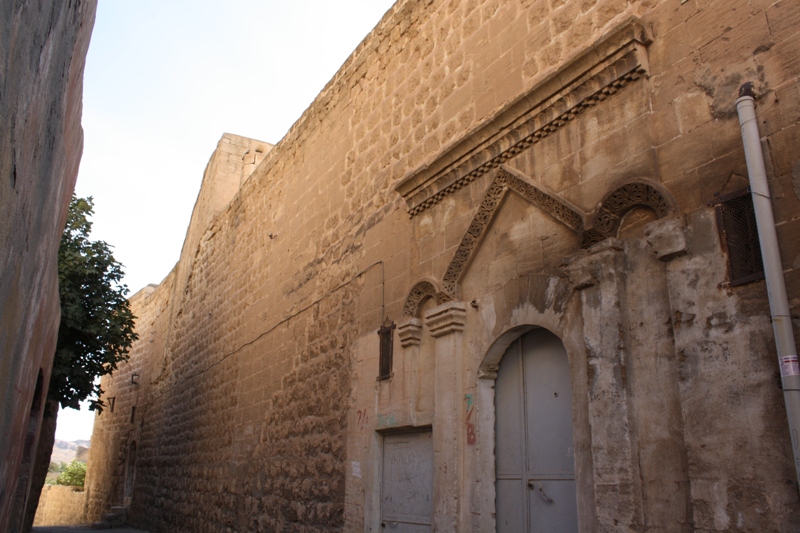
(544, 496)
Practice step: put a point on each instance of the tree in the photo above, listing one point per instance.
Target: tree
(94, 336)
(96, 328)
(73, 475)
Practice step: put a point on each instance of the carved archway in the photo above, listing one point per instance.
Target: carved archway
(420, 292)
(608, 216)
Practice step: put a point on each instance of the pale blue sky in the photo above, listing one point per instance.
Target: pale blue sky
(164, 80)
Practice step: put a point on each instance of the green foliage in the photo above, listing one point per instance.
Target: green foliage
(73, 475)
(96, 328)
(57, 467)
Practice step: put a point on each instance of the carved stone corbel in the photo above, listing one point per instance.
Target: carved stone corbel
(447, 318)
(410, 332)
(667, 237)
(586, 268)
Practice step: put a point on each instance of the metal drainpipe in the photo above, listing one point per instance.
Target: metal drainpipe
(773, 269)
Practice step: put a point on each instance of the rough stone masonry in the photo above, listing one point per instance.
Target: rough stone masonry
(490, 202)
(42, 54)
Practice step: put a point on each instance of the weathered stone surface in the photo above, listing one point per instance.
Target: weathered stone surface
(258, 406)
(61, 506)
(666, 237)
(42, 52)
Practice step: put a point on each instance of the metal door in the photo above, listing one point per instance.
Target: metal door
(407, 486)
(534, 451)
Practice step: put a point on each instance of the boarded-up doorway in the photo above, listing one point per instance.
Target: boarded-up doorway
(130, 474)
(407, 485)
(535, 452)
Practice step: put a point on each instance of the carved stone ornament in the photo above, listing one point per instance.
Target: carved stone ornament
(447, 318)
(667, 237)
(419, 293)
(410, 332)
(607, 218)
(561, 210)
(505, 180)
(608, 65)
(588, 267)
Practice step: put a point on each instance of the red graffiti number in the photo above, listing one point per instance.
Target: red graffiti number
(361, 418)
(471, 438)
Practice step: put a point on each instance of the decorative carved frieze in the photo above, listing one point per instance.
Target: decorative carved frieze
(559, 209)
(418, 293)
(446, 318)
(491, 201)
(606, 67)
(606, 221)
(607, 217)
(506, 179)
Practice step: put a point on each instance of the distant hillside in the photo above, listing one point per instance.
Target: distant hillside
(64, 451)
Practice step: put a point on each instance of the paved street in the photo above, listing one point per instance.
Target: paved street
(81, 529)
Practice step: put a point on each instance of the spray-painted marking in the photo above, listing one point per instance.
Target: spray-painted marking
(471, 438)
(386, 421)
(361, 418)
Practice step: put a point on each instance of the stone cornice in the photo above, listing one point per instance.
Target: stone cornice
(604, 68)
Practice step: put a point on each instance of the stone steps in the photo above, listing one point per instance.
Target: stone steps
(117, 517)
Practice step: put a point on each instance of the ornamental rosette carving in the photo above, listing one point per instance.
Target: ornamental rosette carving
(618, 202)
(418, 293)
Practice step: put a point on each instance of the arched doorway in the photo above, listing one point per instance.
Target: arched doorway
(534, 450)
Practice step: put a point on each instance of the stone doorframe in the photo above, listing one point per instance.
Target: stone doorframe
(582, 309)
(547, 302)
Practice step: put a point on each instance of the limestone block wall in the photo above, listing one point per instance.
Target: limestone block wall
(474, 170)
(60, 506)
(42, 52)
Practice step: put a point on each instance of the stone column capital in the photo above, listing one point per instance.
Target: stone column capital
(587, 267)
(410, 332)
(446, 318)
(667, 237)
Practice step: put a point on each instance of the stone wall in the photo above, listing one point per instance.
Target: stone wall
(477, 169)
(42, 52)
(61, 506)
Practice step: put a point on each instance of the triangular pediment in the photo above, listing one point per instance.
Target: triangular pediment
(590, 228)
(506, 181)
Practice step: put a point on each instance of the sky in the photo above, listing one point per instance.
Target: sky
(164, 80)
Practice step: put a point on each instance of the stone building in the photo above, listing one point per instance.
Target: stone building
(42, 54)
(501, 271)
